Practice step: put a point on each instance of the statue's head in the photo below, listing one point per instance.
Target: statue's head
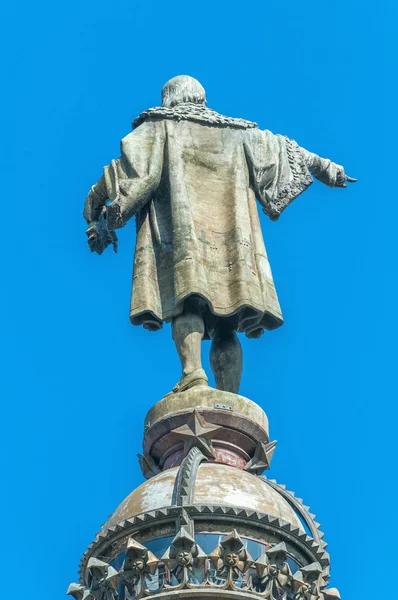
(183, 89)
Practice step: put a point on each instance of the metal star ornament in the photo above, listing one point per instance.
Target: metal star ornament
(261, 460)
(197, 432)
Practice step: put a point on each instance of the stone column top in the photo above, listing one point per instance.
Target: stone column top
(206, 398)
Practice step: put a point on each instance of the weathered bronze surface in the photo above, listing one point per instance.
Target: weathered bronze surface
(191, 178)
(215, 484)
(186, 567)
(241, 426)
(197, 433)
(207, 398)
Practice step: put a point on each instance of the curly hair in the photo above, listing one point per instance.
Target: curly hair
(182, 89)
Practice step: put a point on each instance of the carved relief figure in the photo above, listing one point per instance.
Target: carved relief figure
(191, 178)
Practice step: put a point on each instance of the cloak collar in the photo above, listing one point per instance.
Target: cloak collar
(189, 111)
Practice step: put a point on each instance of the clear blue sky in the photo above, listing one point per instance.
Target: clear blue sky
(77, 378)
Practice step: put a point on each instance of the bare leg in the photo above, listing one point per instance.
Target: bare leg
(188, 330)
(226, 358)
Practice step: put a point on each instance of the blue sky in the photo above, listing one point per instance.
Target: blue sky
(77, 379)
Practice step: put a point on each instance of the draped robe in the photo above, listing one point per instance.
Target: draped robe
(192, 186)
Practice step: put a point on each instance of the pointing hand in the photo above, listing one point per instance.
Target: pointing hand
(342, 178)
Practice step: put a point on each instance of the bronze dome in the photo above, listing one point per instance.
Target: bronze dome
(215, 484)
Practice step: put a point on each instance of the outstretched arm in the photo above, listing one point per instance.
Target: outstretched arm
(99, 236)
(325, 170)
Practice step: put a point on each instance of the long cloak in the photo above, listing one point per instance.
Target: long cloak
(192, 186)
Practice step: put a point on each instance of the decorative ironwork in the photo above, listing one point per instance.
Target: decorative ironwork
(185, 566)
(79, 592)
(313, 527)
(261, 460)
(197, 432)
(305, 583)
(231, 561)
(103, 582)
(140, 564)
(283, 529)
(185, 482)
(185, 561)
(273, 574)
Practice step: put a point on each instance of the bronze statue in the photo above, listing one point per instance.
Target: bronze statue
(191, 178)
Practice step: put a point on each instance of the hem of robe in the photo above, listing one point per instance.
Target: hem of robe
(252, 324)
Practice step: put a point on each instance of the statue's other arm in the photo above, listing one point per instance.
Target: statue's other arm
(128, 183)
(95, 202)
(99, 236)
(325, 170)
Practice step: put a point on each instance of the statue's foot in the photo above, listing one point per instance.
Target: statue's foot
(196, 378)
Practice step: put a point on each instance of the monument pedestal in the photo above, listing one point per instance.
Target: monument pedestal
(205, 524)
(242, 424)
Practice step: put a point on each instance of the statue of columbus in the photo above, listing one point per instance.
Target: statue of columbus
(191, 177)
